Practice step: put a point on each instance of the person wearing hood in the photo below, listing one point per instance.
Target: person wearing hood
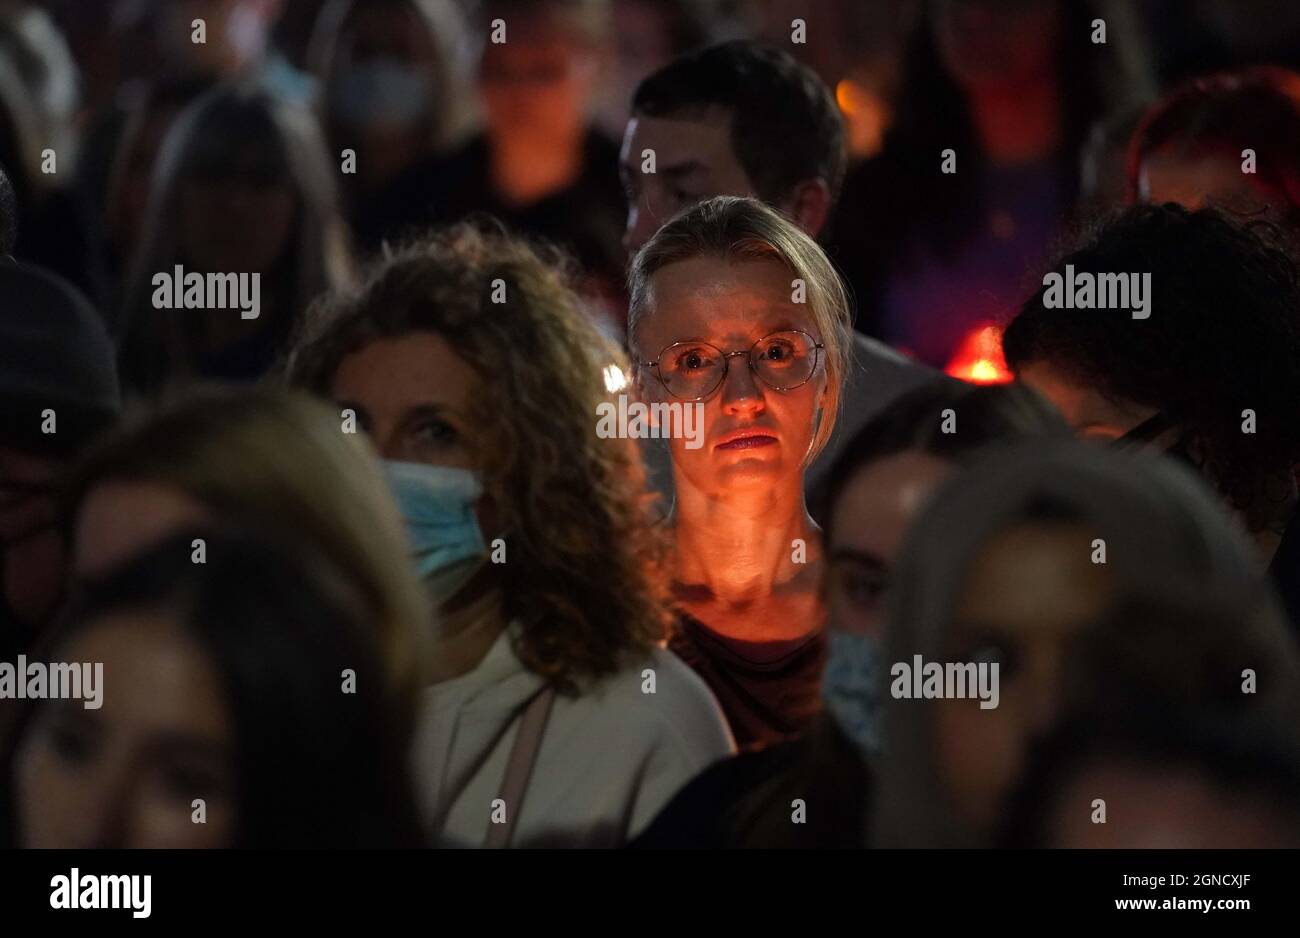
(58, 390)
(553, 715)
(1013, 564)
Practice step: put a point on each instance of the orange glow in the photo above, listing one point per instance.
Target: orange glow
(865, 116)
(979, 358)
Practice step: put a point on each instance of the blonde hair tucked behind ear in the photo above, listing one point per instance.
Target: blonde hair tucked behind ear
(733, 228)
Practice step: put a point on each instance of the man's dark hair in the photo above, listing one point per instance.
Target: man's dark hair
(785, 125)
(1222, 336)
(8, 215)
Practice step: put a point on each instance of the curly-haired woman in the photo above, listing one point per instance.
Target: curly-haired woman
(555, 715)
(1211, 375)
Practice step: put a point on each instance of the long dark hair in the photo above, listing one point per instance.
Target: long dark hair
(316, 767)
(207, 136)
(901, 189)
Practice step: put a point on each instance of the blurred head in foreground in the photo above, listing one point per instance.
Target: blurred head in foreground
(244, 702)
(270, 458)
(881, 481)
(1010, 564)
(1180, 732)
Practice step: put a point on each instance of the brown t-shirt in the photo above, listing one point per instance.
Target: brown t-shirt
(769, 691)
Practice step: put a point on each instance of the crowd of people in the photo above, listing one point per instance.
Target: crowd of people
(363, 567)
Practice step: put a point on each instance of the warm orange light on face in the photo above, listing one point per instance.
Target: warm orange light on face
(979, 358)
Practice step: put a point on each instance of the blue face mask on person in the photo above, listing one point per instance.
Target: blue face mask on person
(386, 92)
(437, 507)
(852, 687)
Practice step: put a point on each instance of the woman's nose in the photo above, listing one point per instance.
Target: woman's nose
(107, 811)
(740, 387)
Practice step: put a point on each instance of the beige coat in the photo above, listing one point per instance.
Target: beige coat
(609, 760)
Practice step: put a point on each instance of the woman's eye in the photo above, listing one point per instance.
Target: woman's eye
(693, 360)
(863, 590)
(992, 653)
(777, 352)
(433, 431)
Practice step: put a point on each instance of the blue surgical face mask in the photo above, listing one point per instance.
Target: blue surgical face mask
(389, 92)
(437, 506)
(852, 687)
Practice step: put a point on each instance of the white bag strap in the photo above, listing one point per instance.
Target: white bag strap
(519, 766)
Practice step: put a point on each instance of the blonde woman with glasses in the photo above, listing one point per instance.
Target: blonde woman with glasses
(738, 313)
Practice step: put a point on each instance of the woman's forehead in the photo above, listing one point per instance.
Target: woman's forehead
(715, 299)
(712, 275)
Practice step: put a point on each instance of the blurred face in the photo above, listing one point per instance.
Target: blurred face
(235, 32)
(998, 43)
(643, 43)
(385, 31)
(381, 93)
(1195, 180)
(754, 435)
(1090, 414)
(694, 161)
(121, 520)
(32, 556)
(537, 85)
(1149, 807)
(127, 774)
(411, 395)
(871, 516)
(238, 219)
(226, 34)
(1028, 592)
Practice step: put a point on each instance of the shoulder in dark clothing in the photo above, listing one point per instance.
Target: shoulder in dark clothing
(752, 800)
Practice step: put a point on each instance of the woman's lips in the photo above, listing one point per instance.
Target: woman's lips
(748, 442)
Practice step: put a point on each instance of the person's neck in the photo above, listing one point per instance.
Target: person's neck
(524, 173)
(466, 628)
(740, 549)
(1017, 124)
